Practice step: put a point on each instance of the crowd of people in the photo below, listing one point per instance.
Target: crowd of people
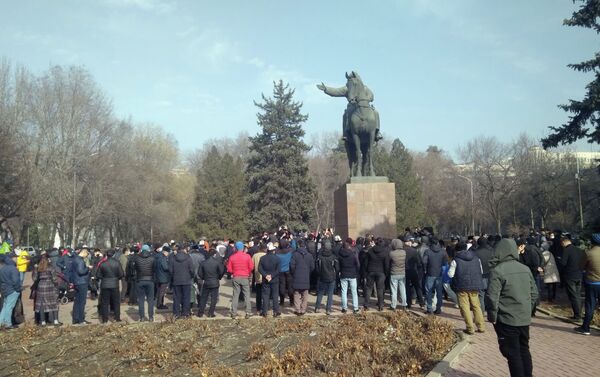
(417, 268)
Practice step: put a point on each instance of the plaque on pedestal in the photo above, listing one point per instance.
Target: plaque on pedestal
(366, 205)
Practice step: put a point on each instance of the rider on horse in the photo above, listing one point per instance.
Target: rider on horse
(356, 99)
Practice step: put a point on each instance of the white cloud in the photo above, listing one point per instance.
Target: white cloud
(258, 63)
(212, 47)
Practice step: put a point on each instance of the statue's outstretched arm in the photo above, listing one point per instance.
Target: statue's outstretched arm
(334, 92)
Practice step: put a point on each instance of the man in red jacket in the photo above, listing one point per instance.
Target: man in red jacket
(240, 266)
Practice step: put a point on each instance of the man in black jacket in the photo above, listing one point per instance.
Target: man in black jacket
(144, 272)
(572, 262)
(433, 260)
(485, 253)
(377, 264)
(414, 274)
(269, 267)
(210, 273)
(109, 273)
(327, 268)
(349, 273)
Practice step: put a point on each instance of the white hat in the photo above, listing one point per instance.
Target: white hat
(337, 238)
(270, 246)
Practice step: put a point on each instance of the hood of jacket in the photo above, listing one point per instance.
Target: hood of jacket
(435, 248)
(378, 249)
(344, 253)
(146, 254)
(397, 244)
(325, 252)
(466, 255)
(181, 256)
(506, 250)
(302, 250)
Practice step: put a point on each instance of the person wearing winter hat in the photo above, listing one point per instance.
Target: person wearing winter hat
(240, 267)
(269, 267)
(261, 252)
(592, 284)
(144, 273)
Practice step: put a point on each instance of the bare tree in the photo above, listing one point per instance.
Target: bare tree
(492, 165)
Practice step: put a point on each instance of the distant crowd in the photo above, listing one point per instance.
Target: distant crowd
(417, 268)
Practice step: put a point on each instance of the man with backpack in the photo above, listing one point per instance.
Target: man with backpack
(327, 268)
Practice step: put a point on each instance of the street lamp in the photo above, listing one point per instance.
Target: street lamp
(578, 178)
(75, 165)
(472, 203)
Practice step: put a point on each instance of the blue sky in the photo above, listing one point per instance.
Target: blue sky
(442, 71)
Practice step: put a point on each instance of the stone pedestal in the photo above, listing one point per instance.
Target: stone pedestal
(366, 205)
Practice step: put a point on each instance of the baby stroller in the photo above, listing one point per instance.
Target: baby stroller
(66, 292)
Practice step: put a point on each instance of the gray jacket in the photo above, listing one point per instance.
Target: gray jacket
(397, 259)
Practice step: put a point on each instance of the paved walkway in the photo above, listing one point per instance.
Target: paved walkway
(556, 349)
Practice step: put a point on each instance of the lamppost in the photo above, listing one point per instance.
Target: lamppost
(73, 233)
(472, 203)
(578, 178)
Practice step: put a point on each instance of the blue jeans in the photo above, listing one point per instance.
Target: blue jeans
(592, 297)
(398, 282)
(353, 290)
(7, 308)
(145, 291)
(22, 277)
(323, 287)
(79, 303)
(433, 284)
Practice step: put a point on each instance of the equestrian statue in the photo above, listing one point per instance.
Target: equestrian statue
(360, 125)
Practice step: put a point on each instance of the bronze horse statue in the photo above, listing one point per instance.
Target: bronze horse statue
(360, 124)
(363, 122)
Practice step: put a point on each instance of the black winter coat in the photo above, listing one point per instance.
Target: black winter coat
(109, 273)
(572, 262)
(349, 264)
(181, 269)
(144, 266)
(433, 260)
(414, 263)
(485, 254)
(378, 259)
(211, 271)
(269, 264)
(327, 266)
(301, 266)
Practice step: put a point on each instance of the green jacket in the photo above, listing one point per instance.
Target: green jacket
(592, 265)
(512, 292)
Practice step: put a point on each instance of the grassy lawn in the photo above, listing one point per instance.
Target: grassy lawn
(566, 311)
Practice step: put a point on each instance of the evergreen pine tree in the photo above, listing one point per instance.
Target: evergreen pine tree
(397, 166)
(220, 209)
(585, 119)
(280, 190)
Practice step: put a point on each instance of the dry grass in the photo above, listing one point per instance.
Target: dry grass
(566, 311)
(374, 344)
